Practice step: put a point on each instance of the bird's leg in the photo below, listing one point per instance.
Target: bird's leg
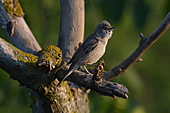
(87, 70)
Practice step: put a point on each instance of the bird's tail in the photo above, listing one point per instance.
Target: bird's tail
(72, 68)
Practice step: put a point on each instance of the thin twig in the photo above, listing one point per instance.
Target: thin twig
(143, 46)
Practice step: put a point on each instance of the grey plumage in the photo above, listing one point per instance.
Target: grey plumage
(92, 48)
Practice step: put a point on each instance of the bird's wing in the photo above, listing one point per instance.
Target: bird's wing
(89, 44)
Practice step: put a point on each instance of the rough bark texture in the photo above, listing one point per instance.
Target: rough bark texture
(14, 24)
(71, 35)
(144, 44)
(40, 73)
(47, 98)
(71, 26)
(21, 36)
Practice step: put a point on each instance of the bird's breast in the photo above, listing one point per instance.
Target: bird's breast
(95, 54)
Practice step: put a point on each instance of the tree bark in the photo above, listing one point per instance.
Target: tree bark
(22, 37)
(12, 20)
(70, 37)
(144, 44)
(71, 27)
(40, 72)
(48, 98)
(45, 96)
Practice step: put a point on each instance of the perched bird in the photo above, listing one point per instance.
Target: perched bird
(92, 48)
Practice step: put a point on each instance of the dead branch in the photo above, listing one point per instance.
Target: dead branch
(96, 82)
(16, 27)
(145, 43)
(71, 27)
(23, 67)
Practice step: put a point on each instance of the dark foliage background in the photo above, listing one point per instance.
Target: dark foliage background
(147, 81)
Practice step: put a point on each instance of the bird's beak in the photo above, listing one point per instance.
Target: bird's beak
(112, 29)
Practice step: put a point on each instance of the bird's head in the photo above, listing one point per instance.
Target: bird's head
(104, 29)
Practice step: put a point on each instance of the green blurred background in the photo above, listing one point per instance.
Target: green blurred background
(148, 81)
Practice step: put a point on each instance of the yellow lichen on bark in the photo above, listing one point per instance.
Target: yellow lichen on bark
(13, 7)
(51, 53)
(49, 58)
(26, 58)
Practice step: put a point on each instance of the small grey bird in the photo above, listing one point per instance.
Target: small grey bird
(92, 48)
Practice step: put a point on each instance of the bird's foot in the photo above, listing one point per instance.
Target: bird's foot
(89, 74)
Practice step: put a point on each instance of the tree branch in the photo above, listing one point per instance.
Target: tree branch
(145, 43)
(39, 77)
(87, 81)
(96, 82)
(71, 27)
(25, 68)
(11, 18)
(17, 63)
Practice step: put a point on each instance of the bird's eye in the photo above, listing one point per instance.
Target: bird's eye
(105, 27)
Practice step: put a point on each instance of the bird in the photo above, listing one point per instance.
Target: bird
(92, 49)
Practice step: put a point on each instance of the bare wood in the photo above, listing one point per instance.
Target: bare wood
(70, 37)
(23, 37)
(11, 63)
(143, 46)
(45, 97)
(96, 83)
(44, 84)
(71, 27)
(18, 31)
(22, 67)
(45, 104)
(16, 63)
